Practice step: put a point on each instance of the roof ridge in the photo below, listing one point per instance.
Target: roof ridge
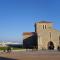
(44, 22)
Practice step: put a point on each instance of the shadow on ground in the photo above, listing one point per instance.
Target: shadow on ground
(4, 58)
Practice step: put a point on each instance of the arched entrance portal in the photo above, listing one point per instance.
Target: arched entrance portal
(50, 45)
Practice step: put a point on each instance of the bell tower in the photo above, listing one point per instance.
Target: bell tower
(43, 25)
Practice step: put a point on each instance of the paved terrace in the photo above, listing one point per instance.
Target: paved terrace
(30, 55)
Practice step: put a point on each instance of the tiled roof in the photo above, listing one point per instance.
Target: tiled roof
(28, 33)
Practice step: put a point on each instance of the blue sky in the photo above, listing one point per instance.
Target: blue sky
(18, 16)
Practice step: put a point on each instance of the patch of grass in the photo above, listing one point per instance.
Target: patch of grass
(13, 48)
(16, 48)
(3, 48)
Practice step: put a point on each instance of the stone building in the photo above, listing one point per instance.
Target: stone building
(44, 37)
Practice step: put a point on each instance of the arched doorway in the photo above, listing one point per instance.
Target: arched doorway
(50, 45)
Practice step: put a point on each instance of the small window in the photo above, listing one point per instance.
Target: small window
(43, 26)
(50, 35)
(59, 39)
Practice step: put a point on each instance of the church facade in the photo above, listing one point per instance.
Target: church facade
(44, 37)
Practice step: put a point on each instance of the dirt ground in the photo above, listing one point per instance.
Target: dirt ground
(30, 55)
